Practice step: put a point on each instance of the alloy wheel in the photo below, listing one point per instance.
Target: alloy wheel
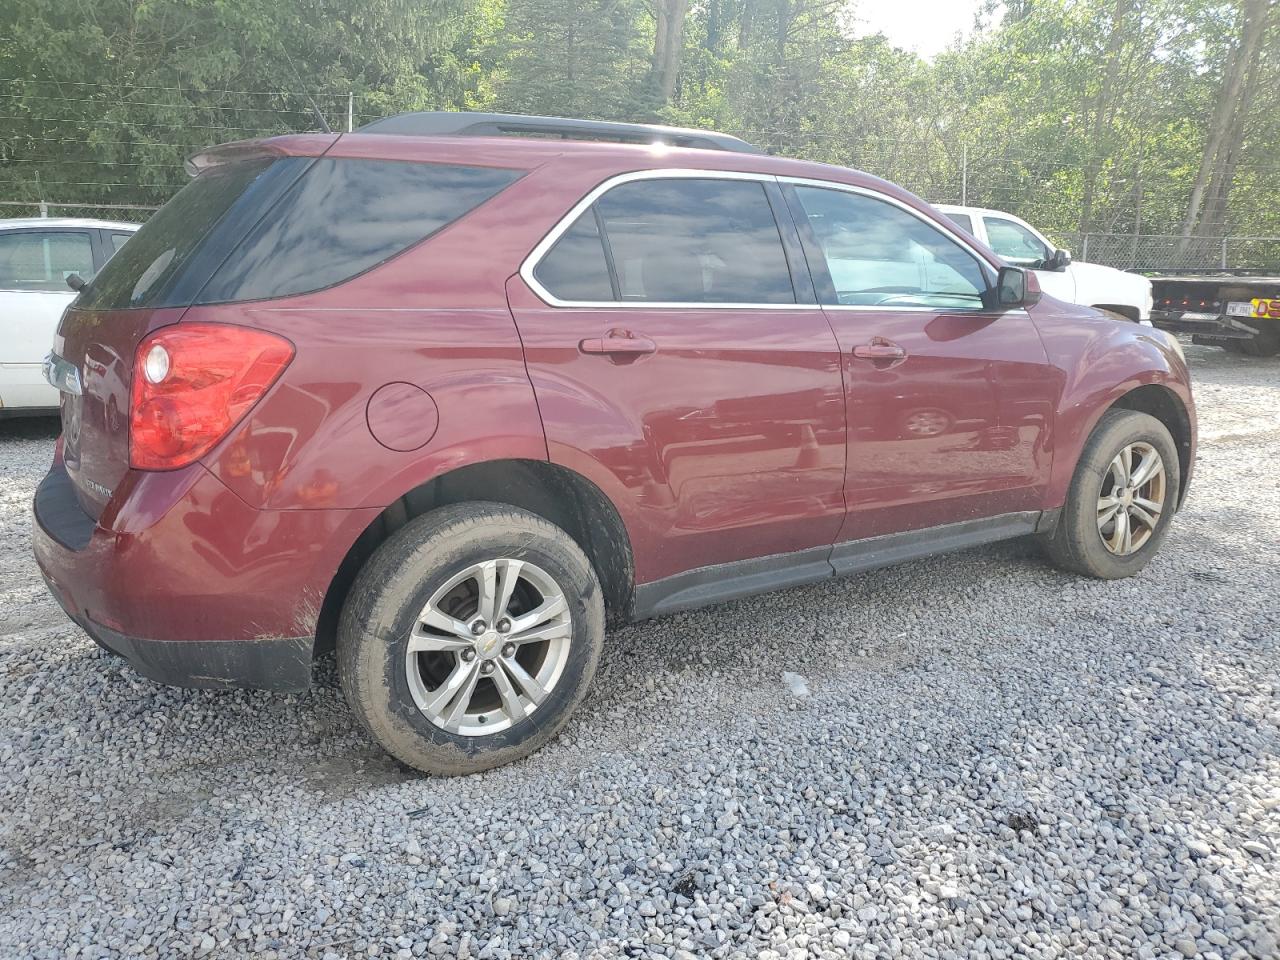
(1132, 498)
(488, 647)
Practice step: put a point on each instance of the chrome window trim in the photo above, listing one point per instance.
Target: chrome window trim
(530, 263)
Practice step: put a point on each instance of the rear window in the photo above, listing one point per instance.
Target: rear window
(272, 228)
(150, 270)
(345, 216)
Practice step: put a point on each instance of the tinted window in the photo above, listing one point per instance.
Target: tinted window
(879, 254)
(43, 259)
(575, 268)
(343, 217)
(118, 241)
(1015, 242)
(695, 241)
(156, 257)
(961, 220)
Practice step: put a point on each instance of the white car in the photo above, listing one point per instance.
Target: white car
(36, 258)
(1091, 284)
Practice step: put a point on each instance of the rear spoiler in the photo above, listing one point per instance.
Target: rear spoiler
(290, 145)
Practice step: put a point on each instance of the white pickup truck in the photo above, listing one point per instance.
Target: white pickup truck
(1125, 294)
(36, 258)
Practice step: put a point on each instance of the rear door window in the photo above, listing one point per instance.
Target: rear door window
(695, 241)
(43, 259)
(118, 241)
(345, 216)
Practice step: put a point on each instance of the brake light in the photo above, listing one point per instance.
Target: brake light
(192, 383)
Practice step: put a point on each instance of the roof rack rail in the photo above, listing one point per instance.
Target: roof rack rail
(443, 123)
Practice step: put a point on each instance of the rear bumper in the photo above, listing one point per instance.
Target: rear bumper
(1219, 327)
(190, 584)
(281, 664)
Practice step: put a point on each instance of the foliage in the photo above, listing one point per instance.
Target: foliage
(1077, 114)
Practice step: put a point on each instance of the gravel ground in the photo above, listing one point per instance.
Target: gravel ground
(980, 756)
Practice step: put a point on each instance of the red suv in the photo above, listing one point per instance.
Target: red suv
(450, 398)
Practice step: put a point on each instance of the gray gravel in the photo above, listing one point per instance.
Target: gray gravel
(981, 757)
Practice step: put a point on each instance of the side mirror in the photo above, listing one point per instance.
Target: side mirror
(76, 282)
(1016, 287)
(1060, 260)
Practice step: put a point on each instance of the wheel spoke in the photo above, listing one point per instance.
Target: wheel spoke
(443, 695)
(1150, 468)
(510, 576)
(1148, 519)
(511, 703)
(1153, 506)
(1106, 512)
(540, 614)
(1119, 532)
(1126, 463)
(548, 631)
(487, 582)
(437, 619)
(531, 687)
(422, 642)
(454, 719)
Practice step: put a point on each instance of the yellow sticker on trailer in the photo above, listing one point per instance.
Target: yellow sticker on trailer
(1266, 308)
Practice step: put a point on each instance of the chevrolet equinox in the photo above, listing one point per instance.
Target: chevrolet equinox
(452, 392)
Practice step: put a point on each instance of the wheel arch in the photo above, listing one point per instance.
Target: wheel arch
(1159, 401)
(1126, 310)
(561, 496)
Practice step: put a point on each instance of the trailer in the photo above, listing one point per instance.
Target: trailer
(1235, 310)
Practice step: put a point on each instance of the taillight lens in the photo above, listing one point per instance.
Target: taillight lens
(192, 383)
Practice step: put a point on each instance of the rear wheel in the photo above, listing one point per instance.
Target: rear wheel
(469, 637)
(1122, 498)
(1266, 343)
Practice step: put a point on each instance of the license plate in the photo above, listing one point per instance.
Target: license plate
(1237, 308)
(1265, 308)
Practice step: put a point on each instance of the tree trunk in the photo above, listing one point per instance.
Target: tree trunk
(1101, 107)
(668, 44)
(1230, 95)
(1213, 220)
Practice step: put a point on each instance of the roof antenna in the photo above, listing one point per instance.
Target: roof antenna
(297, 76)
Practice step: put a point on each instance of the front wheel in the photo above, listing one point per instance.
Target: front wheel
(1122, 498)
(469, 637)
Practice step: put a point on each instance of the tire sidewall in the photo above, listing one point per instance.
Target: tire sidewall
(436, 554)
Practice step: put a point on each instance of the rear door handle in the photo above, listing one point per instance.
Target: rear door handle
(618, 343)
(880, 351)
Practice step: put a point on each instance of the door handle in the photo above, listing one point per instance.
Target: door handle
(880, 351)
(618, 343)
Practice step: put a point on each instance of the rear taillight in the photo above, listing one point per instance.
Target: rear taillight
(192, 383)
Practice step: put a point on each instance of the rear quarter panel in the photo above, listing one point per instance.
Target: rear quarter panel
(1098, 360)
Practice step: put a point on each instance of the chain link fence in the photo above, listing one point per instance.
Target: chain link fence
(1157, 253)
(98, 211)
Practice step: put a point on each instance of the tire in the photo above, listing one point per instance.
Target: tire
(384, 684)
(1234, 346)
(1265, 344)
(1079, 544)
